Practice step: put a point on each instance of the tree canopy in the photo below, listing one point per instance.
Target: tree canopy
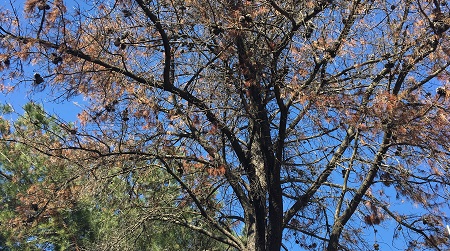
(46, 205)
(276, 123)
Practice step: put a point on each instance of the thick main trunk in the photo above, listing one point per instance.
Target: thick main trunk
(266, 197)
(260, 208)
(264, 231)
(256, 220)
(333, 244)
(256, 225)
(275, 223)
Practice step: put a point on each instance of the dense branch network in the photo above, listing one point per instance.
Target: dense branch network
(273, 118)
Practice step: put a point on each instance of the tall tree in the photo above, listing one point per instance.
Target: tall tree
(280, 121)
(35, 203)
(46, 207)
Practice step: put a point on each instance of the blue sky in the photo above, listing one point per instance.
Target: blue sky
(67, 110)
